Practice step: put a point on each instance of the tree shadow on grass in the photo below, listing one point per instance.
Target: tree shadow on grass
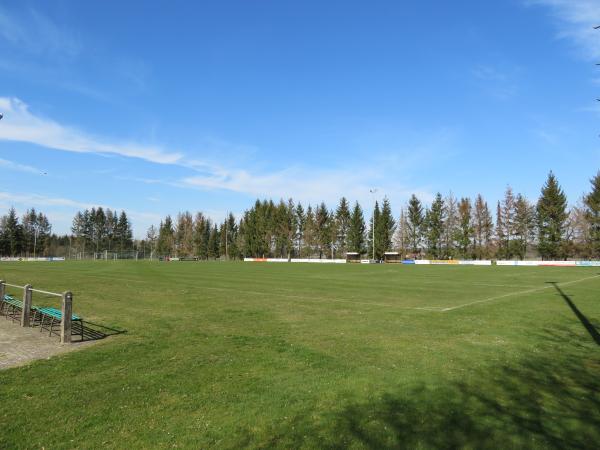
(549, 400)
(582, 318)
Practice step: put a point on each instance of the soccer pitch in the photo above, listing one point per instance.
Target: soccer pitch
(233, 355)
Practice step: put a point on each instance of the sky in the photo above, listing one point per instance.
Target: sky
(160, 107)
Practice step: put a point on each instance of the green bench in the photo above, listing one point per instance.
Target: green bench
(9, 303)
(54, 315)
(40, 314)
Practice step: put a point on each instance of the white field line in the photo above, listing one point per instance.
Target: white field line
(512, 294)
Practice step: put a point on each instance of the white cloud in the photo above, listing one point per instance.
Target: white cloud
(309, 185)
(577, 19)
(61, 210)
(20, 125)
(11, 165)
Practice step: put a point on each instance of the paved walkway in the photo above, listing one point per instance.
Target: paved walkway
(18, 346)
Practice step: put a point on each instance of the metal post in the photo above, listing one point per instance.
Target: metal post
(25, 312)
(67, 313)
(2, 290)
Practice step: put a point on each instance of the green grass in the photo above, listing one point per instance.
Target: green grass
(233, 355)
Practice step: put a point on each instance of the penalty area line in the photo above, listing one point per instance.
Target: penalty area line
(512, 294)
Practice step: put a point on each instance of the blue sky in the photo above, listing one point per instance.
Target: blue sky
(158, 107)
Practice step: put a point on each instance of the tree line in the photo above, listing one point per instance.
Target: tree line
(514, 228)
(447, 228)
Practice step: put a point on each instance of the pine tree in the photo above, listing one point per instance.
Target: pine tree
(464, 235)
(322, 223)
(13, 233)
(356, 230)
(592, 215)
(415, 225)
(434, 222)
(551, 219)
(523, 228)
(310, 233)
(166, 237)
(384, 230)
(342, 217)
(213, 243)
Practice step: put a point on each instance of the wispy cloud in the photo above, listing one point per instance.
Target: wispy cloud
(500, 83)
(11, 165)
(21, 125)
(308, 184)
(62, 210)
(33, 32)
(576, 19)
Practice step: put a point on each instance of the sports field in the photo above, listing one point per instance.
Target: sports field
(233, 355)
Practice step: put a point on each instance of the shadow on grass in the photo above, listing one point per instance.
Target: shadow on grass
(582, 318)
(549, 400)
(88, 331)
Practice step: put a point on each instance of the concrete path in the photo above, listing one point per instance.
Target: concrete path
(18, 346)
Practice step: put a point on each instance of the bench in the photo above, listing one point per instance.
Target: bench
(12, 304)
(54, 315)
(40, 314)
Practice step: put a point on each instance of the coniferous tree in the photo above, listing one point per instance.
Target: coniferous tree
(465, 229)
(12, 232)
(415, 225)
(434, 223)
(342, 218)
(166, 237)
(213, 243)
(592, 215)
(356, 230)
(384, 230)
(310, 232)
(523, 227)
(322, 223)
(551, 219)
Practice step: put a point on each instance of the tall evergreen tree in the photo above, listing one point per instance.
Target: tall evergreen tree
(523, 229)
(434, 221)
(322, 222)
(384, 230)
(592, 215)
(356, 230)
(415, 224)
(342, 218)
(166, 237)
(551, 219)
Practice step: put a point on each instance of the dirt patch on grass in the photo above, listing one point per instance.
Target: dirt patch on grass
(19, 346)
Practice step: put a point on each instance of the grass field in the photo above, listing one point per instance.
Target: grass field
(233, 355)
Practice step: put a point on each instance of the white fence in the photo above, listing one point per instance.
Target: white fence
(297, 260)
(453, 262)
(550, 263)
(14, 258)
